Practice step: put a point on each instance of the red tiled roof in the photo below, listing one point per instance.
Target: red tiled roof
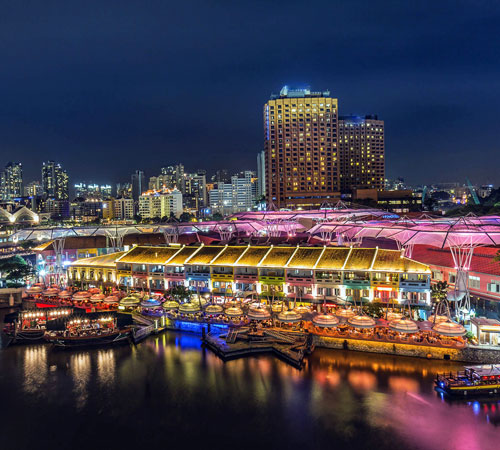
(482, 258)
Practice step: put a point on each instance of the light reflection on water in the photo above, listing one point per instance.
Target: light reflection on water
(35, 369)
(80, 372)
(169, 382)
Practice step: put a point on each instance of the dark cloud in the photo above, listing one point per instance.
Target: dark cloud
(108, 87)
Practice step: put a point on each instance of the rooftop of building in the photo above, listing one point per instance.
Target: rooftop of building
(163, 191)
(358, 119)
(299, 92)
(326, 258)
(107, 261)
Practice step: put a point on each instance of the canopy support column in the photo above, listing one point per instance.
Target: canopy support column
(58, 245)
(171, 235)
(462, 257)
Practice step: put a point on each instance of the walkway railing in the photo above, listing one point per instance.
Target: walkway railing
(143, 332)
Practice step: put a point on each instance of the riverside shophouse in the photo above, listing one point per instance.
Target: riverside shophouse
(305, 273)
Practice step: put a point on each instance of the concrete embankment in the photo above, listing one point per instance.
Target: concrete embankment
(471, 354)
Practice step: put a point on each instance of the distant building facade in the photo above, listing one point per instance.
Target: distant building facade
(237, 196)
(159, 204)
(55, 181)
(195, 191)
(138, 182)
(361, 153)
(11, 181)
(261, 175)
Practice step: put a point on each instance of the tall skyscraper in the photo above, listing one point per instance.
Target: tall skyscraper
(300, 133)
(261, 175)
(11, 181)
(361, 153)
(55, 181)
(195, 190)
(138, 184)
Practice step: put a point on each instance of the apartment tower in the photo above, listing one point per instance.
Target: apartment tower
(300, 133)
(361, 153)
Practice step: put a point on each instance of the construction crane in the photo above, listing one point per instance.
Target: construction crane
(473, 192)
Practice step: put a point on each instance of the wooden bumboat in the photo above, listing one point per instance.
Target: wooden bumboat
(473, 381)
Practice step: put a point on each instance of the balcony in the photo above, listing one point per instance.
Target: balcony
(222, 277)
(271, 279)
(174, 275)
(414, 285)
(385, 283)
(357, 283)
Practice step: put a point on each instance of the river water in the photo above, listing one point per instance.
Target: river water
(169, 392)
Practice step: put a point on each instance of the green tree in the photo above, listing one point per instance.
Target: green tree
(179, 292)
(186, 217)
(15, 271)
(374, 309)
(26, 245)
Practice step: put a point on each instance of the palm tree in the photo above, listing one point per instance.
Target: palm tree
(439, 291)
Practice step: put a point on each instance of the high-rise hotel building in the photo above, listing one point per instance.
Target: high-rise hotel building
(301, 162)
(361, 153)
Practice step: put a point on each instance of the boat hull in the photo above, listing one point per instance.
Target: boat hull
(89, 341)
(470, 391)
(26, 336)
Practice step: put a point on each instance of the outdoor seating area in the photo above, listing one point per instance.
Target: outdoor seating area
(383, 331)
(91, 300)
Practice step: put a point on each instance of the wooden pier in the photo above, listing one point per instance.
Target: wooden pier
(237, 343)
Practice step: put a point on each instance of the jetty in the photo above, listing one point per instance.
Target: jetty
(245, 341)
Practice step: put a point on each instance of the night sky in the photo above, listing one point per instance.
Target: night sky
(107, 87)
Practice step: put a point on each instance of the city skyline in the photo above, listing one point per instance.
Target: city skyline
(133, 81)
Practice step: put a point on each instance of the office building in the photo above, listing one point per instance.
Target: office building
(361, 153)
(301, 163)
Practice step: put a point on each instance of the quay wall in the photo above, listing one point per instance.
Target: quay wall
(471, 354)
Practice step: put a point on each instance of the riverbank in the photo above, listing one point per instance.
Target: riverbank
(467, 354)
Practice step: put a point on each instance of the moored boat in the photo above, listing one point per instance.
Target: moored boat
(473, 381)
(30, 325)
(92, 329)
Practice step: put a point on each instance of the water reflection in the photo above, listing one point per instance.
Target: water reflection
(35, 369)
(169, 382)
(106, 367)
(80, 372)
